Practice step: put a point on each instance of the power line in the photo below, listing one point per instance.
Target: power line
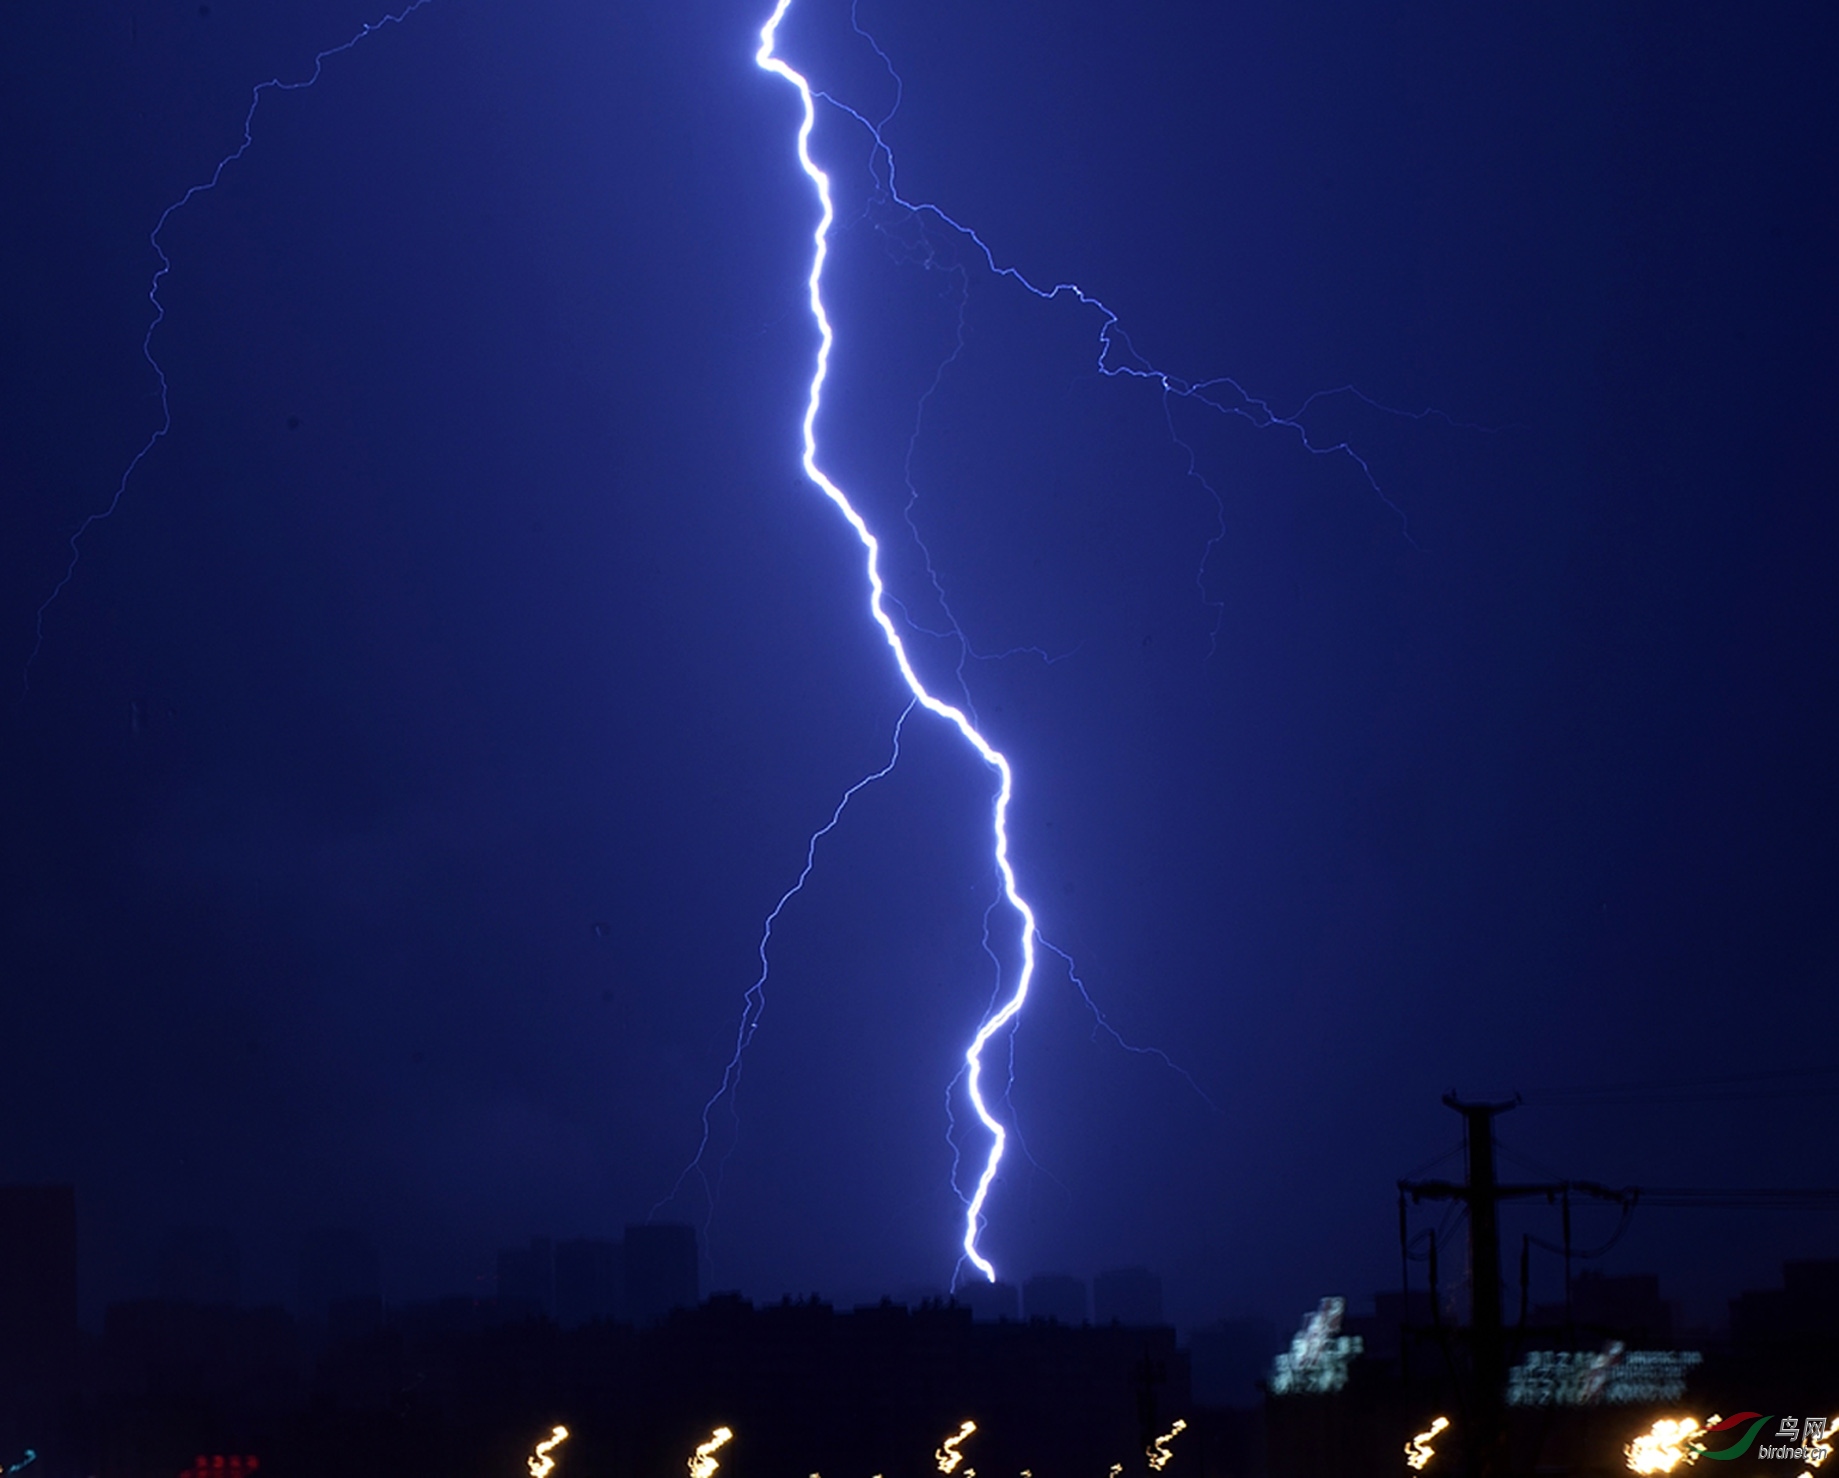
(1750, 1198)
(1816, 1080)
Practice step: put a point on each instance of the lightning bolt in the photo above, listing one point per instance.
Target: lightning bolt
(1006, 1012)
(1116, 357)
(101, 515)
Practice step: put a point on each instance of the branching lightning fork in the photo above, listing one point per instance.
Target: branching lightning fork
(753, 1002)
(1119, 358)
(154, 438)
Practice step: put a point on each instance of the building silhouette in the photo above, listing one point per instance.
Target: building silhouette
(336, 1263)
(639, 1280)
(200, 1265)
(526, 1278)
(163, 1355)
(1130, 1296)
(38, 1281)
(1384, 1333)
(1230, 1359)
(1627, 1307)
(661, 1271)
(1055, 1296)
(590, 1281)
(804, 1387)
(988, 1301)
(1804, 1311)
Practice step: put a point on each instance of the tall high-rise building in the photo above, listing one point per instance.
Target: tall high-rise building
(1127, 1296)
(662, 1271)
(38, 1280)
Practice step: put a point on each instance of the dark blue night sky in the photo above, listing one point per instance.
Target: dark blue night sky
(410, 763)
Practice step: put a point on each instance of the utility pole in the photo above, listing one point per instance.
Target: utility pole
(1490, 1353)
(1485, 1440)
(1487, 1416)
(1481, 1426)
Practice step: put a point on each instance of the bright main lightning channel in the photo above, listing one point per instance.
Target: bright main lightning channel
(991, 756)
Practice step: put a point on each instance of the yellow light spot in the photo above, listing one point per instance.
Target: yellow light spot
(1158, 1451)
(948, 1455)
(703, 1465)
(540, 1463)
(1418, 1451)
(1665, 1445)
(1822, 1446)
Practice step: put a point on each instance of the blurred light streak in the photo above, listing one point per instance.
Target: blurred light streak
(1665, 1445)
(948, 1456)
(540, 1463)
(1158, 1451)
(1418, 1451)
(703, 1464)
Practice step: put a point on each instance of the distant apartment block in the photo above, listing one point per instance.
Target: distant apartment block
(340, 1286)
(1056, 1296)
(1130, 1296)
(38, 1280)
(590, 1281)
(526, 1278)
(661, 1271)
(988, 1301)
(200, 1265)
